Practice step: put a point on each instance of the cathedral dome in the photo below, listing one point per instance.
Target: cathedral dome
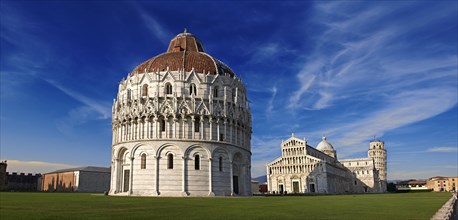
(186, 52)
(171, 116)
(324, 145)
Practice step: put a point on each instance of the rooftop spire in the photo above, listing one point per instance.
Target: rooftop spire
(185, 30)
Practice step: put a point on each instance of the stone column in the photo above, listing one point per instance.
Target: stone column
(174, 127)
(156, 188)
(231, 128)
(269, 187)
(118, 176)
(193, 131)
(226, 136)
(113, 135)
(167, 127)
(119, 133)
(144, 134)
(231, 177)
(210, 122)
(201, 128)
(139, 127)
(242, 137)
(184, 180)
(148, 127)
(210, 177)
(236, 133)
(131, 129)
(155, 124)
(134, 129)
(217, 130)
(126, 131)
(183, 127)
(131, 174)
(114, 176)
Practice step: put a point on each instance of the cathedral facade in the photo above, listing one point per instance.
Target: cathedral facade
(181, 127)
(305, 169)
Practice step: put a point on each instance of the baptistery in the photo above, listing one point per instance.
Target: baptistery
(181, 126)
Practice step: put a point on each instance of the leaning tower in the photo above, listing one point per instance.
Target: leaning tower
(377, 151)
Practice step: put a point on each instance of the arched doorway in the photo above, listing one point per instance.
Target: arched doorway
(123, 171)
(237, 174)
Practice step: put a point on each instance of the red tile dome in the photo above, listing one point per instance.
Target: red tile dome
(186, 52)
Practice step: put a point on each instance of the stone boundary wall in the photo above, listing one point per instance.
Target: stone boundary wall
(22, 182)
(448, 210)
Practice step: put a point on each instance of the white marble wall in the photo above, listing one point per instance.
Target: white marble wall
(183, 179)
(93, 181)
(147, 120)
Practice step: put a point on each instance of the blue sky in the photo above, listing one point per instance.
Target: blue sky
(350, 70)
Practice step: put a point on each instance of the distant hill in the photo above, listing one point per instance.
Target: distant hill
(260, 179)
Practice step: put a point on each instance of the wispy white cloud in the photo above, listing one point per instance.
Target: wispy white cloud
(18, 65)
(355, 60)
(152, 24)
(90, 110)
(344, 60)
(75, 117)
(296, 97)
(268, 52)
(325, 97)
(402, 109)
(264, 149)
(20, 166)
(102, 108)
(443, 149)
(270, 104)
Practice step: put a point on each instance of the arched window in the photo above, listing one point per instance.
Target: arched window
(129, 94)
(197, 162)
(143, 162)
(221, 137)
(192, 89)
(215, 92)
(126, 180)
(170, 161)
(168, 88)
(162, 121)
(196, 124)
(234, 94)
(145, 90)
(220, 164)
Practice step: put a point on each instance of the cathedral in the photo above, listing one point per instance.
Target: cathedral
(181, 126)
(305, 169)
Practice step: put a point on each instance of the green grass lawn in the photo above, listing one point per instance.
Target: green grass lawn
(16, 205)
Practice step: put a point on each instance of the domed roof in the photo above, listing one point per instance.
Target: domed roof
(186, 52)
(324, 145)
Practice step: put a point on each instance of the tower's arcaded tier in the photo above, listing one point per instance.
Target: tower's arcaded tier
(377, 151)
(181, 126)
